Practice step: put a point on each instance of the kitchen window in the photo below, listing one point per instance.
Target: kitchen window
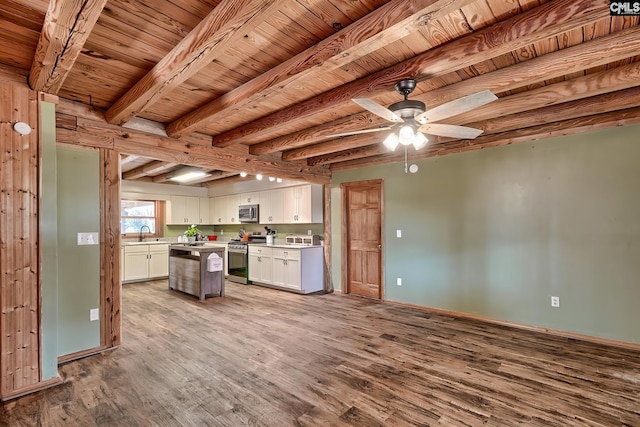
(140, 217)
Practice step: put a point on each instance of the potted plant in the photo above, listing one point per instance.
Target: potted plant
(192, 233)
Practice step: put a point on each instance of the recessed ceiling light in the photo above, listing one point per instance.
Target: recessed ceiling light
(243, 174)
(259, 177)
(272, 178)
(188, 174)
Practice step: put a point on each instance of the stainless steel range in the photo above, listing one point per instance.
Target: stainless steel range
(238, 262)
(238, 258)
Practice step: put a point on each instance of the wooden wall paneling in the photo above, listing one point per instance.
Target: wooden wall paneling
(110, 285)
(19, 244)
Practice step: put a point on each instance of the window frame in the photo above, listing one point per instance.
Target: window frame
(158, 218)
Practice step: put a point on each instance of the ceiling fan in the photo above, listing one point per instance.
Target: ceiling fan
(414, 120)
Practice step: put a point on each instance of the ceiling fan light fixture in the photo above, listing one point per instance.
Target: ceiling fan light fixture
(419, 141)
(406, 135)
(391, 141)
(189, 174)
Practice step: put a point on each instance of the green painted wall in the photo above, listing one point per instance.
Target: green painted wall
(497, 232)
(49, 241)
(78, 266)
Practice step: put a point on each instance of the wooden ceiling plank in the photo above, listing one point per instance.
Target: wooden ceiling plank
(92, 133)
(150, 168)
(596, 52)
(67, 25)
(381, 27)
(223, 27)
(521, 30)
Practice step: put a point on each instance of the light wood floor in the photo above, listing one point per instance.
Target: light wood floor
(262, 357)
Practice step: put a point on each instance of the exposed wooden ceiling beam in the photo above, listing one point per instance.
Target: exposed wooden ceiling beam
(316, 134)
(67, 25)
(566, 127)
(594, 53)
(215, 178)
(608, 102)
(93, 133)
(150, 168)
(622, 77)
(334, 145)
(222, 27)
(517, 32)
(124, 159)
(385, 25)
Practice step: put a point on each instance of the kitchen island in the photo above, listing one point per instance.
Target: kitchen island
(194, 269)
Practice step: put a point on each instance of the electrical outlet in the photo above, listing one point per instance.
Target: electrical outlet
(399, 281)
(94, 314)
(398, 233)
(555, 301)
(88, 239)
(309, 232)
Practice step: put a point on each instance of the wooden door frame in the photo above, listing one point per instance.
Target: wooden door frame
(344, 229)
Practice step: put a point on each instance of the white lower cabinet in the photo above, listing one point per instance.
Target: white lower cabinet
(142, 262)
(296, 269)
(158, 261)
(260, 264)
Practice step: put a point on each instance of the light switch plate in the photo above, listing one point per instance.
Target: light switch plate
(94, 314)
(398, 233)
(88, 239)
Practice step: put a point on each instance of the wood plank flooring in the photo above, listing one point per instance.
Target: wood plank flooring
(263, 357)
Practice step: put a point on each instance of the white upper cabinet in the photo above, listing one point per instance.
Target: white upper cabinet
(272, 206)
(303, 204)
(177, 210)
(192, 210)
(187, 210)
(203, 209)
(226, 209)
(252, 198)
(290, 205)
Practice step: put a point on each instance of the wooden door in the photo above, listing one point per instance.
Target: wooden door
(362, 248)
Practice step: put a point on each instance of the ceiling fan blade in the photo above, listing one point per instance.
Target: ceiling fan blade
(357, 132)
(453, 131)
(378, 109)
(457, 106)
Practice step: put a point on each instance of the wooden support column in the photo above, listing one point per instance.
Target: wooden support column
(328, 283)
(110, 285)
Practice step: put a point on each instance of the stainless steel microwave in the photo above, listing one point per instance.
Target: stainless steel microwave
(248, 213)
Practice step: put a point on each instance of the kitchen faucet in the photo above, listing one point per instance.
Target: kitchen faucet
(140, 239)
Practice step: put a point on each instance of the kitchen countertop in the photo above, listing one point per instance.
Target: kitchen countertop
(285, 246)
(151, 242)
